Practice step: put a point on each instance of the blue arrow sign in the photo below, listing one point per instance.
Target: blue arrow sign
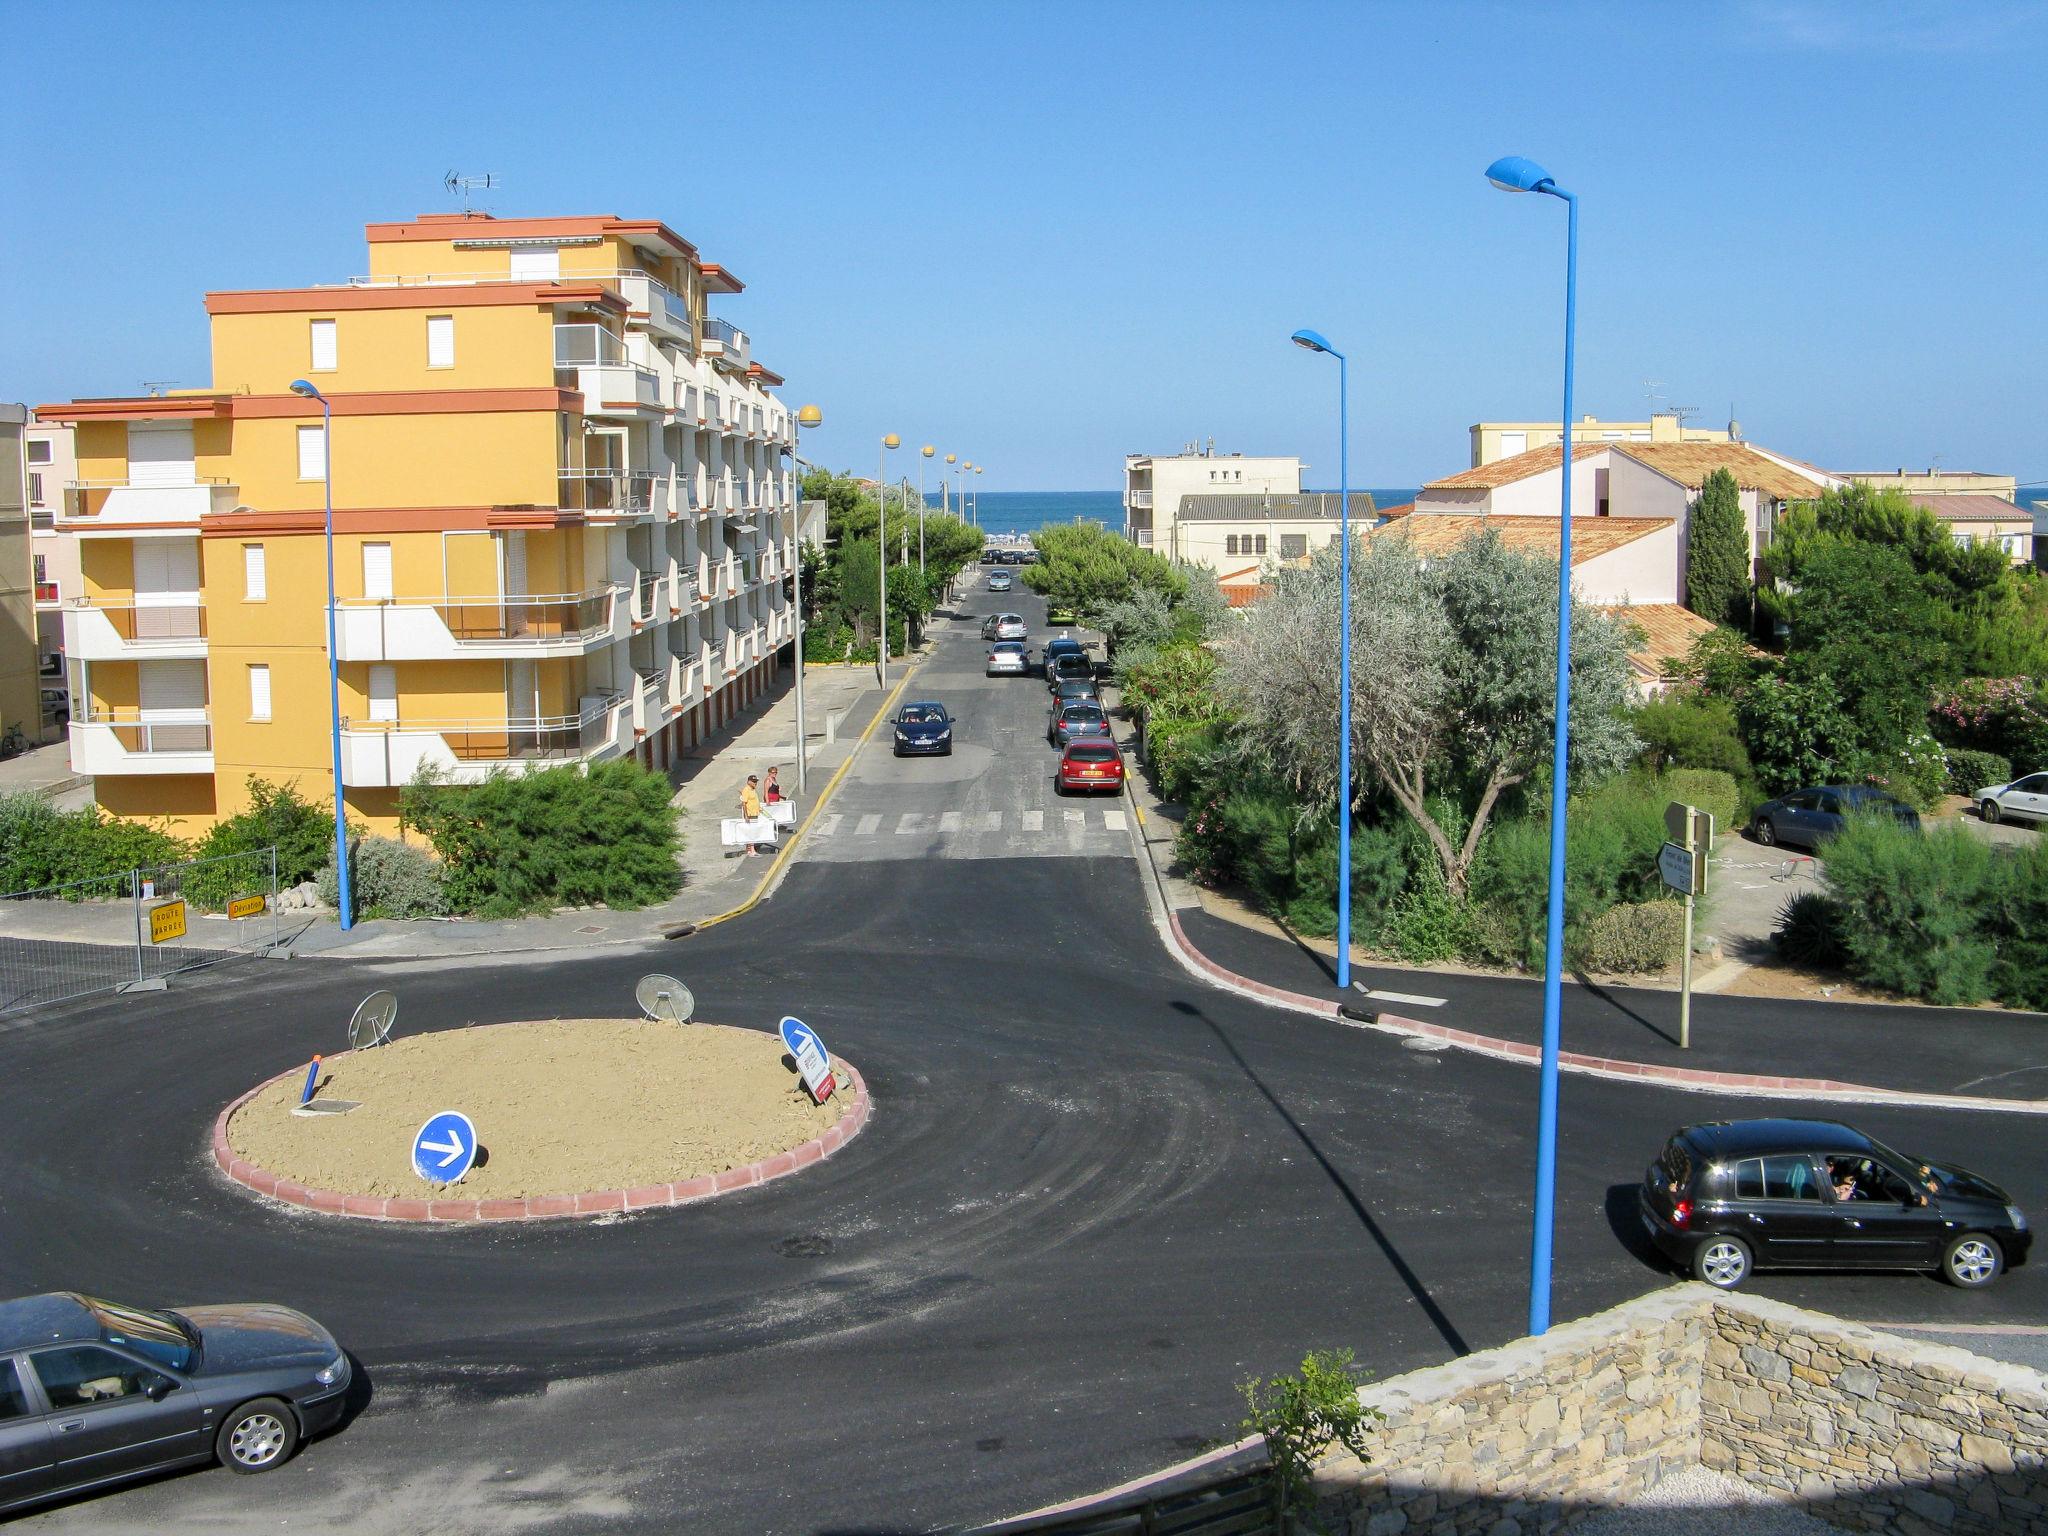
(444, 1147)
(808, 1051)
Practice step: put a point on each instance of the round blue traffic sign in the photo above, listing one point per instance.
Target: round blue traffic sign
(444, 1147)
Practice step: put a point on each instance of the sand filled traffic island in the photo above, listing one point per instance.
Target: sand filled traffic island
(573, 1117)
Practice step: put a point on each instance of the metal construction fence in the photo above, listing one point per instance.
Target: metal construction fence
(135, 929)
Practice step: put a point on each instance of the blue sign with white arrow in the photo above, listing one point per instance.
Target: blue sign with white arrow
(808, 1051)
(444, 1147)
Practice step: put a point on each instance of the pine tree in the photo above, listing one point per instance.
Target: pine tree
(1717, 553)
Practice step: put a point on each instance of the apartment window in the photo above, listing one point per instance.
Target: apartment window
(39, 453)
(1260, 541)
(323, 346)
(255, 579)
(259, 692)
(312, 453)
(377, 571)
(1230, 544)
(536, 263)
(440, 341)
(35, 488)
(1293, 546)
(384, 692)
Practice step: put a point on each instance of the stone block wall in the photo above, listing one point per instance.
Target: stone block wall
(1527, 1437)
(1871, 1431)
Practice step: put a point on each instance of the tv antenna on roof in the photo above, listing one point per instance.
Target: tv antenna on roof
(156, 387)
(1653, 391)
(463, 185)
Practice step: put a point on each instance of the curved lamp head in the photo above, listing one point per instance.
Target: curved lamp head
(304, 387)
(892, 441)
(1514, 173)
(951, 457)
(977, 469)
(809, 416)
(1313, 341)
(927, 450)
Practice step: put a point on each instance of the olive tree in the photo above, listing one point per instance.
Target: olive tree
(1452, 676)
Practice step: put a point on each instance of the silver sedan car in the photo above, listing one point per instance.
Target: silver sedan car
(1011, 626)
(1007, 658)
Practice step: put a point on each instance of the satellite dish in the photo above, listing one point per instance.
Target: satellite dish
(664, 998)
(373, 1019)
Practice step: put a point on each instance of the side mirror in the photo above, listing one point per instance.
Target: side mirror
(159, 1388)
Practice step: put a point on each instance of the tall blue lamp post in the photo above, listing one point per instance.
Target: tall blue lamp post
(1316, 343)
(1515, 174)
(302, 387)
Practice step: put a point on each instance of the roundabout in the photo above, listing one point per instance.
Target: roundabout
(572, 1117)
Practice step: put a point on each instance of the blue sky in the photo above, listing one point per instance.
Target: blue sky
(1045, 235)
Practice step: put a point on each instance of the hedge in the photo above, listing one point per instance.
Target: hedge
(1631, 938)
(1970, 771)
(1707, 789)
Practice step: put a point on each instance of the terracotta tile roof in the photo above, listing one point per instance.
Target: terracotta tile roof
(1245, 595)
(1390, 513)
(1668, 631)
(1438, 532)
(1518, 467)
(1690, 464)
(1974, 508)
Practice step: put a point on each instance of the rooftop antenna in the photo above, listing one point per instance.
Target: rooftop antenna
(463, 186)
(1681, 412)
(1653, 391)
(155, 387)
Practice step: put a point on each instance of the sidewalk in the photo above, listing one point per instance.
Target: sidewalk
(46, 771)
(1951, 1057)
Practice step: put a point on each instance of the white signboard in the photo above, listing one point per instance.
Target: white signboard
(808, 1051)
(1680, 868)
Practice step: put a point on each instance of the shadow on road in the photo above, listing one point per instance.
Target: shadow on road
(1626, 1223)
(1594, 989)
(1445, 1328)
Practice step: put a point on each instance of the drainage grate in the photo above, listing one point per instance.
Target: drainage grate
(590, 928)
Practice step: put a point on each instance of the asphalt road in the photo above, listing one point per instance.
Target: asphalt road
(1095, 1195)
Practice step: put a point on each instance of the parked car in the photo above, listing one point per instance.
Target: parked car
(1060, 645)
(1000, 581)
(94, 1393)
(1808, 817)
(924, 728)
(1007, 658)
(1731, 1196)
(1090, 763)
(2026, 798)
(988, 556)
(1065, 664)
(1010, 626)
(1072, 722)
(1075, 690)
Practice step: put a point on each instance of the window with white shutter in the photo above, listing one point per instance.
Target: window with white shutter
(536, 263)
(377, 571)
(383, 692)
(440, 341)
(312, 453)
(259, 692)
(255, 578)
(323, 346)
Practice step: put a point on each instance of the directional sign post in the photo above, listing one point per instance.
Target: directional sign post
(1683, 864)
(444, 1148)
(808, 1051)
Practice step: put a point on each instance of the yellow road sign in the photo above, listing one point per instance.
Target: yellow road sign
(246, 906)
(166, 921)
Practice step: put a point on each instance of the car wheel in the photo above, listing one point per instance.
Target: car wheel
(257, 1436)
(1723, 1262)
(1989, 810)
(1972, 1261)
(1766, 833)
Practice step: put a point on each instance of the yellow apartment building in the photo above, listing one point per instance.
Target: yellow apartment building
(563, 520)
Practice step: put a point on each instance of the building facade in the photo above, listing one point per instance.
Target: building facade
(52, 465)
(1223, 531)
(563, 521)
(20, 694)
(1154, 485)
(1494, 440)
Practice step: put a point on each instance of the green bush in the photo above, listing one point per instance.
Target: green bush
(1181, 751)
(1428, 924)
(1970, 771)
(1809, 932)
(1202, 846)
(1913, 908)
(41, 845)
(557, 837)
(301, 831)
(1379, 873)
(1691, 731)
(1706, 790)
(2017, 916)
(387, 878)
(1916, 772)
(1631, 938)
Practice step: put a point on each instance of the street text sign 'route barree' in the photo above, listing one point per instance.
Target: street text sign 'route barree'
(808, 1051)
(444, 1147)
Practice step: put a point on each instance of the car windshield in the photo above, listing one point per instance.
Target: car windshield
(1081, 712)
(1091, 752)
(1010, 648)
(160, 1336)
(923, 714)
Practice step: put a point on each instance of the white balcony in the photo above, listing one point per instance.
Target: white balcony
(174, 626)
(726, 345)
(1138, 498)
(613, 494)
(606, 375)
(127, 509)
(439, 629)
(387, 754)
(120, 742)
(665, 311)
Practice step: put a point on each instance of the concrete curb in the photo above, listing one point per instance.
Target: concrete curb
(600, 1202)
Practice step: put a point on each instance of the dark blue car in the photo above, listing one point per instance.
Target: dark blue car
(1808, 817)
(924, 728)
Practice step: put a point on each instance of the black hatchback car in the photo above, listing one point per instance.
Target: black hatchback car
(1731, 1196)
(93, 1392)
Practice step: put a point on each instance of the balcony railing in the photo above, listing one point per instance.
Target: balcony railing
(46, 592)
(557, 617)
(388, 751)
(723, 334)
(621, 491)
(1141, 498)
(189, 731)
(589, 346)
(145, 623)
(128, 501)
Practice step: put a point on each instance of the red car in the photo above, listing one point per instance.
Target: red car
(1090, 763)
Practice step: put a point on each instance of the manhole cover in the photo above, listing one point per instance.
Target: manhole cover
(590, 928)
(1425, 1043)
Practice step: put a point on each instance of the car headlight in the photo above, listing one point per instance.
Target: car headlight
(2017, 1217)
(945, 733)
(903, 736)
(332, 1372)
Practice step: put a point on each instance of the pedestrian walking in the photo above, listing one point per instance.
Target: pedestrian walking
(772, 790)
(750, 807)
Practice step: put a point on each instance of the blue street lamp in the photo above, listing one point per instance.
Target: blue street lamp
(1514, 174)
(1316, 343)
(302, 387)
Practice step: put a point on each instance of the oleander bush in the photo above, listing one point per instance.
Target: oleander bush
(559, 837)
(1631, 938)
(1970, 770)
(387, 878)
(41, 845)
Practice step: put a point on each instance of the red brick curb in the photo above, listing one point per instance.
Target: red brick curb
(540, 1207)
(1600, 1066)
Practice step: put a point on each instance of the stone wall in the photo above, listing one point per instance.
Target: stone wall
(1871, 1431)
(1534, 1433)
(1867, 1430)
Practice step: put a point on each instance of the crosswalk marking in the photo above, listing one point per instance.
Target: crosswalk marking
(1113, 820)
(949, 821)
(1069, 822)
(1034, 821)
(992, 821)
(827, 825)
(1075, 820)
(867, 824)
(911, 821)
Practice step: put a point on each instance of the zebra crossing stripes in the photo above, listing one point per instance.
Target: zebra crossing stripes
(945, 823)
(867, 824)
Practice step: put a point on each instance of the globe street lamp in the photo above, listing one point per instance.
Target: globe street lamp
(1515, 174)
(951, 458)
(302, 387)
(808, 416)
(924, 454)
(977, 497)
(889, 443)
